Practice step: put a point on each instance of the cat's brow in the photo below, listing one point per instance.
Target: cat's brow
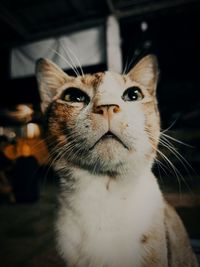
(124, 78)
(92, 80)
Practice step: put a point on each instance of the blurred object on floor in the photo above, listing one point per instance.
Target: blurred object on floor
(6, 165)
(26, 179)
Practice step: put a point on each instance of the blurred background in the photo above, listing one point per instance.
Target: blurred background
(98, 35)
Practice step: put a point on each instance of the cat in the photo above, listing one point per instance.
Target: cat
(103, 132)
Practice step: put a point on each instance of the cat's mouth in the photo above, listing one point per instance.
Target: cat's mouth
(109, 135)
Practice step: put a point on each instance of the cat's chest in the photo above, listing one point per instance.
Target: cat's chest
(111, 218)
(103, 207)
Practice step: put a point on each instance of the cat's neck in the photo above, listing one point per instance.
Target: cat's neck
(128, 170)
(79, 177)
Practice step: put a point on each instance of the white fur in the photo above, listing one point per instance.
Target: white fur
(103, 226)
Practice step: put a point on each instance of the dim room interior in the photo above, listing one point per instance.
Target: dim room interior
(97, 35)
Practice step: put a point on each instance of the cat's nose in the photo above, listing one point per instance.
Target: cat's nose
(107, 110)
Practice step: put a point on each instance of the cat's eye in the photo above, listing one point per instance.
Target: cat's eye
(133, 93)
(73, 94)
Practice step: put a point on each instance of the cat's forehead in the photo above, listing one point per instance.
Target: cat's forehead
(103, 80)
(112, 80)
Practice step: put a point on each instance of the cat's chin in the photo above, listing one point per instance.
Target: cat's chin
(109, 151)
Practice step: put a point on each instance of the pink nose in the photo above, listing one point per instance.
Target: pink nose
(107, 110)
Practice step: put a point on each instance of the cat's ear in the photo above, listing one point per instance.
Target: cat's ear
(49, 77)
(146, 72)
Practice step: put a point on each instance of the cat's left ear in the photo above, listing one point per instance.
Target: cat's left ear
(49, 77)
(146, 72)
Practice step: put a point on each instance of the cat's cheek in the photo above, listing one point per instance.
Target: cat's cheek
(150, 156)
(68, 108)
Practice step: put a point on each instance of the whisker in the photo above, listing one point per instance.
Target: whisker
(167, 144)
(169, 163)
(66, 61)
(175, 140)
(175, 170)
(171, 125)
(56, 149)
(66, 50)
(172, 149)
(161, 165)
(125, 67)
(76, 58)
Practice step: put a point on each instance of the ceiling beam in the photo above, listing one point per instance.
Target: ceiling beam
(155, 6)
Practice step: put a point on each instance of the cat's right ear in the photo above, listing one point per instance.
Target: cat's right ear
(49, 77)
(146, 72)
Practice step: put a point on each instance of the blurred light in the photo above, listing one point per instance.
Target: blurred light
(11, 135)
(33, 130)
(22, 112)
(144, 26)
(1, 131)
(26, 150)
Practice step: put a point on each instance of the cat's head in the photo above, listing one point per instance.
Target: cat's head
(105, 122)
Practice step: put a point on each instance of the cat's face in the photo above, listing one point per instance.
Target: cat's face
(102, 122)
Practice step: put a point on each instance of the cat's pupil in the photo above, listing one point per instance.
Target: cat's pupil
(133, 93)
(75, 95)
